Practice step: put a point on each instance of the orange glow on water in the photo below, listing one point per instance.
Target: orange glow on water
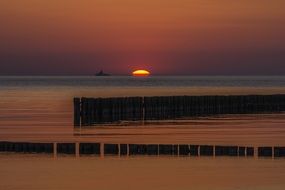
(141, 73)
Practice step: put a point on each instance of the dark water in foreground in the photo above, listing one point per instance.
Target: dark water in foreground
(40, 109)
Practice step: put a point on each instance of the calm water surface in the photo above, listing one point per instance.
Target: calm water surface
(40, 109)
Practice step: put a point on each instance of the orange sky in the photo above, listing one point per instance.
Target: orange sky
(167, 37)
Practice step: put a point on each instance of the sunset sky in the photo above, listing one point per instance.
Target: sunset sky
(81, 37)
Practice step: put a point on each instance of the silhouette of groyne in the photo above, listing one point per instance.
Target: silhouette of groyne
(92, 111)
(105, 149)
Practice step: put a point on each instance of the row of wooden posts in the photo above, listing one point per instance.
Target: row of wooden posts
(92, 111)
(141, 149)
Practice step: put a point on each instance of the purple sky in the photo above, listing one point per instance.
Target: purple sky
(69, 37)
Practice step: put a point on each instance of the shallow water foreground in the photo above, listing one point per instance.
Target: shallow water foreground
(23, 171)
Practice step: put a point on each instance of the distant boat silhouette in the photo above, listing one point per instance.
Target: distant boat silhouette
(101, 73)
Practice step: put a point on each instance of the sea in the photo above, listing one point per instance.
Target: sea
(40, 109)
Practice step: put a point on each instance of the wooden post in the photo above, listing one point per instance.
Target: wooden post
(83, 111)
(76, 104)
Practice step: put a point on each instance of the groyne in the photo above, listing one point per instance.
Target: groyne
(92, 111)
(105, 149)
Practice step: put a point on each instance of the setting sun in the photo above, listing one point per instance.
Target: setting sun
(141, 73)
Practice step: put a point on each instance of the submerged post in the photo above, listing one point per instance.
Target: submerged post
(76, 103)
